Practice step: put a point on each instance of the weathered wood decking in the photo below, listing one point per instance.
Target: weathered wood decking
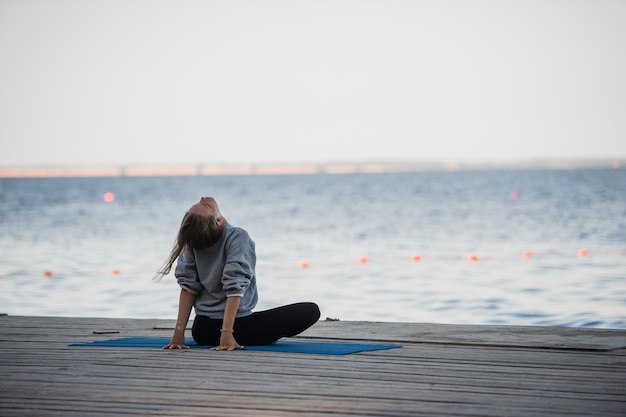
(440, 371)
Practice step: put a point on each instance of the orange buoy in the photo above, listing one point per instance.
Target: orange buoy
(109, 197)
(473, 257)
(363, 259)
(304, 265)
(514, 195)
(416, 258)
(115, 271)
(527, 254)
(583, 252)
(47, 273)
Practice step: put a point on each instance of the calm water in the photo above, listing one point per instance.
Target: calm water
(330, 221)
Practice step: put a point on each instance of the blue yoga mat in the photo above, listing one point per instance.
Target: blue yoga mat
(290, 346)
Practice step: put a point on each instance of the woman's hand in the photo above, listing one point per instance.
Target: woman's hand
(177, 342)
(228, 342)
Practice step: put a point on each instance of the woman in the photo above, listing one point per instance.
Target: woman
(216, 273)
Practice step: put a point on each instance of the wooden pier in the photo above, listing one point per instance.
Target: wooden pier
(441, 370)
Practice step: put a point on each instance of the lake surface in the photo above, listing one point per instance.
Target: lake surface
(67, 252)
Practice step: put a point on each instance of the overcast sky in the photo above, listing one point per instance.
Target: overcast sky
(94, 82)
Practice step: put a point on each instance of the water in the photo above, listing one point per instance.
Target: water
(329, 221)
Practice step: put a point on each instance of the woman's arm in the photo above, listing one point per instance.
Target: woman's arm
(227, 339)
(185, 304)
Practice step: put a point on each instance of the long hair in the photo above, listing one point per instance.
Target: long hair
(195, 232)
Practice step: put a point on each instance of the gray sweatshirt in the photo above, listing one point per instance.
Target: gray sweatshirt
(223, 270)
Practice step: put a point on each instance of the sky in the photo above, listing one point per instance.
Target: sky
(152, 82)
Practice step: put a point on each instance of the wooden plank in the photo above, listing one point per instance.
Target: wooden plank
(151, 394)
(510, 336)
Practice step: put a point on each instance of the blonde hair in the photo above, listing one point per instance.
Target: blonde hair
(195, 232)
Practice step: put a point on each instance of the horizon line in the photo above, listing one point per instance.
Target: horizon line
(152, 170)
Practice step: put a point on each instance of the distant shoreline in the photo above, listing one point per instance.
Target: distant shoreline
(296, 169)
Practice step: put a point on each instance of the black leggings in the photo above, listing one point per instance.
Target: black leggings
(260, 328)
